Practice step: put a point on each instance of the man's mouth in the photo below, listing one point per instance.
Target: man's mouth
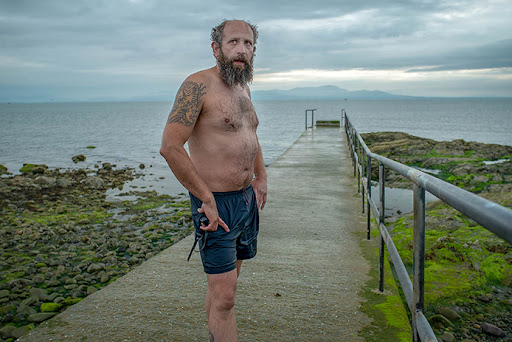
(239, 61)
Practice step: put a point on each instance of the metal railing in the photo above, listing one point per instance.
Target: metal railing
(312, 118)
(492, 216)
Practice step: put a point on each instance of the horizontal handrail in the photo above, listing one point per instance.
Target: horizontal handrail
(490, 215)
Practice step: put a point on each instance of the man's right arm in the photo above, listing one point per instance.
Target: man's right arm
(178, 129)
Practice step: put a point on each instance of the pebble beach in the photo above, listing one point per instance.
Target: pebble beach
(62, 238)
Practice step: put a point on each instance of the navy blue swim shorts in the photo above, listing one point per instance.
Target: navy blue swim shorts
(220, 249)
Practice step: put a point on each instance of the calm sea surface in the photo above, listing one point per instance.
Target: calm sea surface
(129, 134)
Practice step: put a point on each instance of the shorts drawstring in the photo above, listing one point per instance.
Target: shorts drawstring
(199, 236)
(246, 196)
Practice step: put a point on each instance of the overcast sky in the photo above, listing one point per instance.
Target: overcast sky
(84, 50)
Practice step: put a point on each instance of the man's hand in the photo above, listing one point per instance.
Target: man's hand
(213, 216)
(260, 189)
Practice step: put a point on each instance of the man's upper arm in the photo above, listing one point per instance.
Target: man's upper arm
(185, 111)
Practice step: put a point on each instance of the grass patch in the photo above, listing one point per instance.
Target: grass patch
(463, 261)
(390, 318)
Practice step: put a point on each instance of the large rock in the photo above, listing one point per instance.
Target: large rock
(449, 313)
(63, 182)
(6, 332)
(50, 307)
(25, 310)
(46, 182)
(6, 308)
(40, 317)
(38, 293)
(3, 170)
(78, 158)
(493, 330)
(22, 331)
(447, 337)
(33, 169)
(95, 267)
(94, 183)
(440, 321)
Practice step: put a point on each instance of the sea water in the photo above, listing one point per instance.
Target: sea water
(129, 133)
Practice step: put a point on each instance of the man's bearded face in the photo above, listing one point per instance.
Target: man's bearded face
(235, 70)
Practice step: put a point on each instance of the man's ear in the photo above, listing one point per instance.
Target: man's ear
(215, 49)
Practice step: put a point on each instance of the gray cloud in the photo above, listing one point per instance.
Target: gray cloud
(84, 50)
(489, 56)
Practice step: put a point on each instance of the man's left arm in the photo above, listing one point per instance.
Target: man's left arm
(260, 181)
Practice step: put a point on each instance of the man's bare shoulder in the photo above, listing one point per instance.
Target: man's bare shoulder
(191, 98)
(204, 77)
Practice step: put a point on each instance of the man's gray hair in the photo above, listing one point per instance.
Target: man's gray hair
(217, 32)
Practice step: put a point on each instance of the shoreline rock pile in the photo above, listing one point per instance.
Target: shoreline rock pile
(468, 270)
(61, 240)
(474, 166)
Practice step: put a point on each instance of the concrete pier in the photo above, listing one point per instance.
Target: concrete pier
(304, 284)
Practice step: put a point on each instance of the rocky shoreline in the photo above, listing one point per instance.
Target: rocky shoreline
(468, 270)
(476, 167)
(61, 239)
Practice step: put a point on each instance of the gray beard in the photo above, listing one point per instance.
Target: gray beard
(232, 75)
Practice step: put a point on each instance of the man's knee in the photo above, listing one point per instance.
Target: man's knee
(224, 300)
(222, 290)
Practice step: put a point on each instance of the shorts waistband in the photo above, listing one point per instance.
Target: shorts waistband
(230, 193)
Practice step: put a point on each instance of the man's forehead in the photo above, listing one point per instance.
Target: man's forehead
(234, 28)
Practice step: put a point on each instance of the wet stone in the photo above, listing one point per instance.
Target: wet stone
(492, 330)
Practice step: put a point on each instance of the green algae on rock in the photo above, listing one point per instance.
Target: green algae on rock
(3, 170)
(385, 307)
(78, 158)
(66, 240)
(476, 167)
(468, 269)
(33, 169)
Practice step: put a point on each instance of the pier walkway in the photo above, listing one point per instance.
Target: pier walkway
(304, 284)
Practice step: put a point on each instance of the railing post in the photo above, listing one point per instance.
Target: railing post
(362, 171)
(312, 118)
(382, 210)
(369, 185)
(358, 149)
(418, 257)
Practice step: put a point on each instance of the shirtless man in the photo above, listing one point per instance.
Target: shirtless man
(225, 173)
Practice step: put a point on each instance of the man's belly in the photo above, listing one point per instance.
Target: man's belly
(225, 167)
(228, 181)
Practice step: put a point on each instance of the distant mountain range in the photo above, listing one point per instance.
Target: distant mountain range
(327, 92)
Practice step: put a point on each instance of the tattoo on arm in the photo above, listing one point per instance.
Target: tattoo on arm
(186, 106)
(210, 337)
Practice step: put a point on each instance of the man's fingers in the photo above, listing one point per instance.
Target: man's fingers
(211, 227)
(263, 202)
(261, 199)
(223, 225)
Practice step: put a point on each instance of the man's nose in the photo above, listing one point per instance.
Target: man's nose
(242, 49)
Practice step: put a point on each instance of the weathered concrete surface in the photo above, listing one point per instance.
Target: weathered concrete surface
(302, 286)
